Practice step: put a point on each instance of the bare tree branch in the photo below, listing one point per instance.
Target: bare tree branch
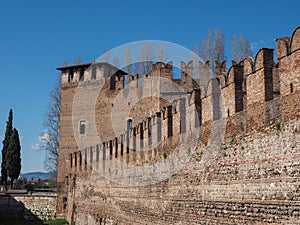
(195, 59)
(127, 60)
(206, 48)
(218, 46)
(49, 141)
(241, 48)
(116, 61)
(78, 61)
(65, 63)
(212, 48)
(161, 54)
(144, 59)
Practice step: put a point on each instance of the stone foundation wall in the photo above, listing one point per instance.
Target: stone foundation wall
(254, 179)
(29, 207)
(244, 167)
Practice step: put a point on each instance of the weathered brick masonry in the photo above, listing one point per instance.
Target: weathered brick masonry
(241, 132)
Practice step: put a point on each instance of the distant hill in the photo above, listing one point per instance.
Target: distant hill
(37, 175)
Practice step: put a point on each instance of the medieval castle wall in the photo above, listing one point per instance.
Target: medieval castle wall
(241, 132)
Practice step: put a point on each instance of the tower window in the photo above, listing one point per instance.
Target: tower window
(112, 82)
(65, 202)
(82, 127)
(93, 73)
(81, 76)
(129, 124)
(126, 81)
(70, 76)
(70, 157)
(291, 87)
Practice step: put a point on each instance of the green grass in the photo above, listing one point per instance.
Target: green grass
(56, 222)
(278, 126)
(165, 155)
(29, 222)
(19, 222)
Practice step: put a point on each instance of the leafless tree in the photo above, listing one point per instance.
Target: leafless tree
(212, 48)
(65, 63)
(78, 61)
(162, 56)
(144, 62)
(127, 60)
(116, 61)
(195, 59)
(241, 48)
(206, 48)
(50, 138)
(218, 46)
(196, 49)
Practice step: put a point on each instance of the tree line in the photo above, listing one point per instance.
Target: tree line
(11, 153)
(213, 47)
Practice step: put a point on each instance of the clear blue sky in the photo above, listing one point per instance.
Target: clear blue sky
(38, 36)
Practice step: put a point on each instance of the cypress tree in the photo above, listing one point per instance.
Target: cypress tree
(13, 162)
(6, 140)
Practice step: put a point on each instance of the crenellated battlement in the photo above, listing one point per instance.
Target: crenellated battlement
(288, 45)
(145, 142)
(250, 86)
(141, 119)
(246, 86)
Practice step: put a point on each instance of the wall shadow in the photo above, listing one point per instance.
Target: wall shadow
(11, 208)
